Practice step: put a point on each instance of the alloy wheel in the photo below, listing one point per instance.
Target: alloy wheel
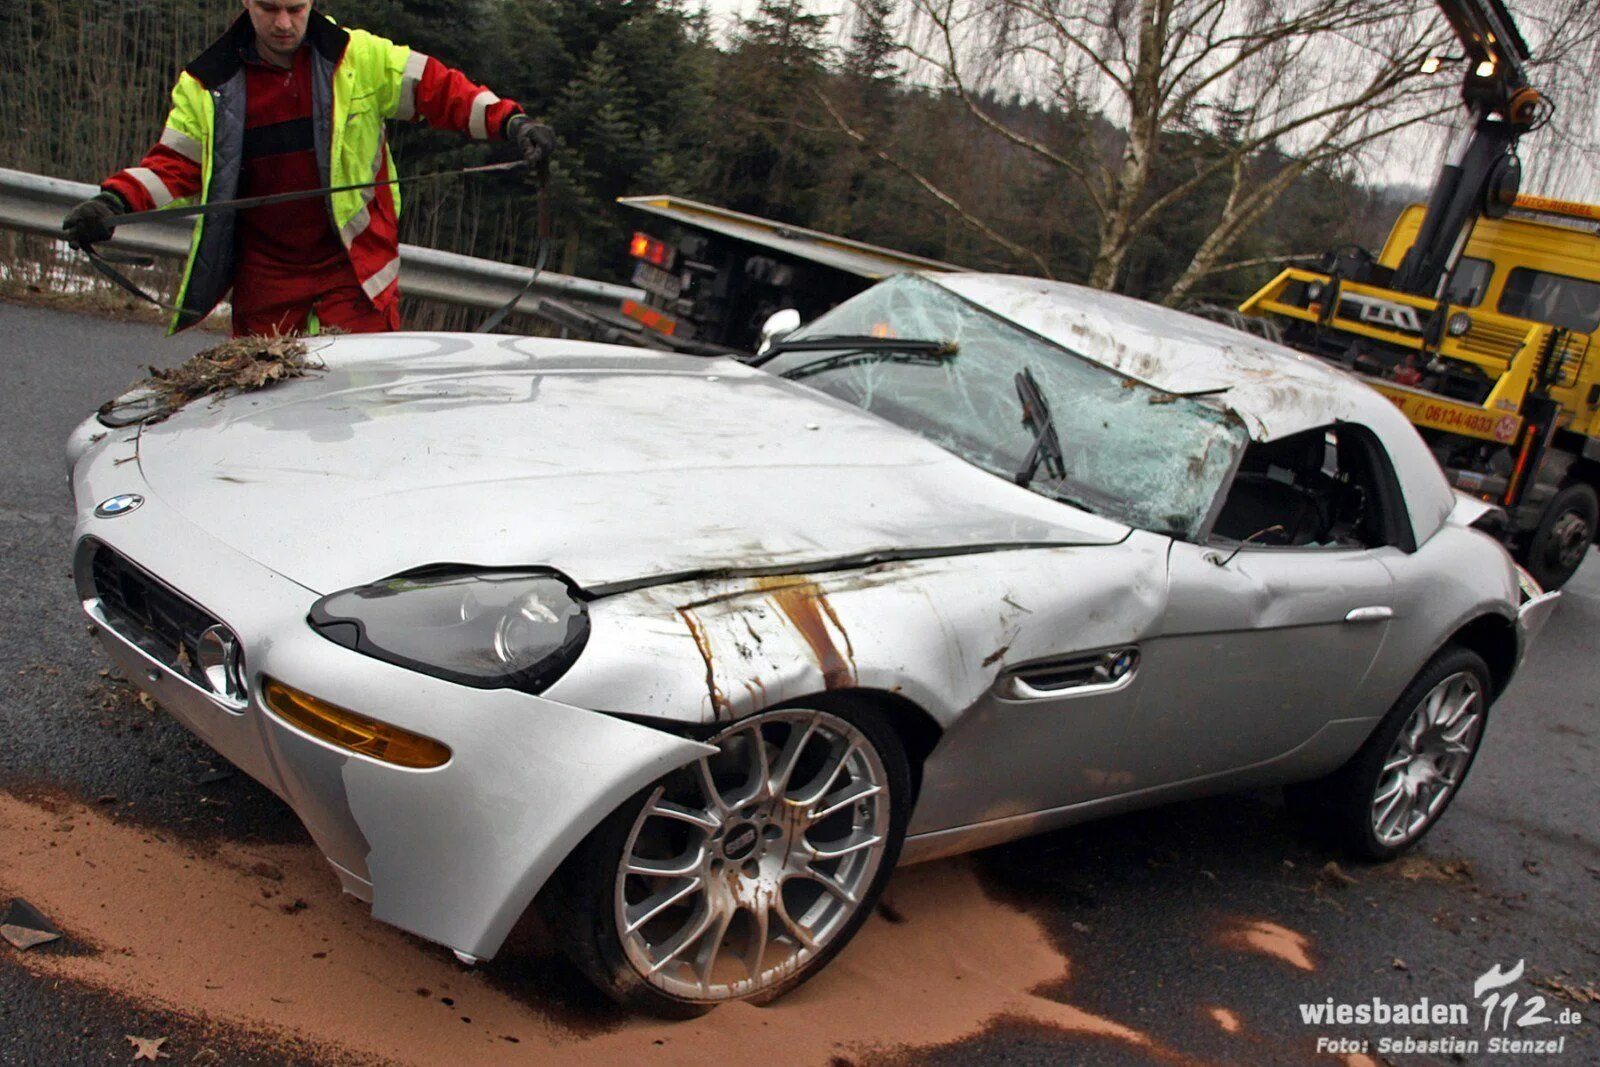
(1429, 759)
(740, 870)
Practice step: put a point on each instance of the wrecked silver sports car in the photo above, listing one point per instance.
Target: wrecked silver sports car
(695, 652)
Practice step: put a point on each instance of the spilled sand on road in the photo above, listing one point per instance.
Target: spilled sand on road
(262, 938)
(1269, 939)
(1226, 1019)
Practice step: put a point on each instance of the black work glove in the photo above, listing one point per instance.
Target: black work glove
(536, 142)
(85, 225)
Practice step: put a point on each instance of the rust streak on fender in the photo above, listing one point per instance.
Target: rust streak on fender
(804, 604)
(719, 703)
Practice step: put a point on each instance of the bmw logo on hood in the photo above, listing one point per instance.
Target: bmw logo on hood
(120, 504)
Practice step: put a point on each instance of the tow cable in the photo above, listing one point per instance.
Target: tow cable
(106, 265)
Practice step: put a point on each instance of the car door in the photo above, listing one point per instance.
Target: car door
(1265, 645)
(1048, 733)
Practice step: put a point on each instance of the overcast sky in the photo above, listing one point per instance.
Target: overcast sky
(1549, 168)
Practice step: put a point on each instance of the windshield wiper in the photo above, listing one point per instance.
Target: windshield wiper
(861, 342)
(1046, 448)
(865, 350)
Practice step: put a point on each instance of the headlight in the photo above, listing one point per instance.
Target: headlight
(488, 629)
(1459, 323)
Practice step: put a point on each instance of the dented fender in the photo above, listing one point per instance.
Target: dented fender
(938, 632)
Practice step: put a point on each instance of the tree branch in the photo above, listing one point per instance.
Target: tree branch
(967, 218)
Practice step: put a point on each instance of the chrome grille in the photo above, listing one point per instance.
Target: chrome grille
(165, 625)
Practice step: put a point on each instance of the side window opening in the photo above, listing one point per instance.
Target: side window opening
(1321, 488)
(1571, 303)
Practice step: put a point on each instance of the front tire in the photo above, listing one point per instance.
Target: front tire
(1566, 530)
(740, 876)
(1395, 788)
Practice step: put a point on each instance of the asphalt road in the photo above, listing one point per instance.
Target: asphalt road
(1193, 933)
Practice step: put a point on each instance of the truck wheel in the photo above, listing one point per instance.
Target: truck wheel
(1566, 529)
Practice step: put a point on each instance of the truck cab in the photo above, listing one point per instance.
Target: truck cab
(1499, 375)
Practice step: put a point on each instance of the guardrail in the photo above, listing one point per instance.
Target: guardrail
(36, 204)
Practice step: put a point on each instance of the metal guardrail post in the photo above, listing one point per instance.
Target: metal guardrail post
(34, 203)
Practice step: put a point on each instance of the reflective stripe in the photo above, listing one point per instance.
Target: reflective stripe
(478, 125)
(181, 143)
(359, 222)
(152, 184)
(380, 281)
(407, 108)
(355, 227)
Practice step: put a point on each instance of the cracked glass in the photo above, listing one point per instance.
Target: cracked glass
(1133, 453)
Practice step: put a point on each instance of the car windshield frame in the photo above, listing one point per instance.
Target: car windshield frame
(1126, 440)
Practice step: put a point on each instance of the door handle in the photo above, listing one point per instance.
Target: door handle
(1376, 613)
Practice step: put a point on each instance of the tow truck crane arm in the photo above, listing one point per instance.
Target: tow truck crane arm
(1483, 174)
(1496, 359)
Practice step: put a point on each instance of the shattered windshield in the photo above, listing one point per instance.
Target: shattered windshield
(1130, 452)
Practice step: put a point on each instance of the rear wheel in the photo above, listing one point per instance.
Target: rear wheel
(1395, 788)
(1562, 539)
(740, 876)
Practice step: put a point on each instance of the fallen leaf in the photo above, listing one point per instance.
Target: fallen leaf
(1333, 874)
(1426, 869)
(148, 1048)
(1399, 964)
(1569, 991)
(24, 926)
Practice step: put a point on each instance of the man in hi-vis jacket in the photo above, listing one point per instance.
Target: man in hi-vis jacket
(288, 100)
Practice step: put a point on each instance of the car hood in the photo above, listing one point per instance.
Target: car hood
(612, 465)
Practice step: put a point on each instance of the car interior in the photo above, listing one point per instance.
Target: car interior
(1320, 488)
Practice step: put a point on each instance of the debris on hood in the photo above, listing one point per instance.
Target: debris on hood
(24, 927)
(238, 365)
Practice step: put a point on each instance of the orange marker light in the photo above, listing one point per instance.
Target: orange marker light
(351, 730)
(650, 317)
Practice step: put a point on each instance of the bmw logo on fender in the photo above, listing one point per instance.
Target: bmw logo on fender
(121, 504)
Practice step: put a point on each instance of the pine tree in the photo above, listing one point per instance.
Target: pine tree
(767, 131)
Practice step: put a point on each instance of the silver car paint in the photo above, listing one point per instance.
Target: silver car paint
(453, 854)
(516, 452)
(522, 450)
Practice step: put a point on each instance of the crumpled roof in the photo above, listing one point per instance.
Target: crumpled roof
(1275, 390)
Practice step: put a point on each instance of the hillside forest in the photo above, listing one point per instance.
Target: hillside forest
(1176, 151)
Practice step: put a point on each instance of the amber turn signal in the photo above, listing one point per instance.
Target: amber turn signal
(351, 730)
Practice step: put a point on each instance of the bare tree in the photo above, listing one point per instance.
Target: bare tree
(1563, 160)
(1279, 86)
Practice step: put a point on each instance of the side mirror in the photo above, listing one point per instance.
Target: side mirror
(779, 325)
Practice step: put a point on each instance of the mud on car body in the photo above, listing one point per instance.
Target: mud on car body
(691, 653)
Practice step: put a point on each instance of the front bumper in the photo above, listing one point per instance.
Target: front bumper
(455, 853)
(1534, 613)
(1534, 610)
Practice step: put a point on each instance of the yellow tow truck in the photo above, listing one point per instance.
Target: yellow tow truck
(1478, 317)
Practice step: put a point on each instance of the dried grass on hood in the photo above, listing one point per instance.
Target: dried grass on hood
(238, 365)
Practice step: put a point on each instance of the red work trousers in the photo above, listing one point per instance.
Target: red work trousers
(341, 306)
